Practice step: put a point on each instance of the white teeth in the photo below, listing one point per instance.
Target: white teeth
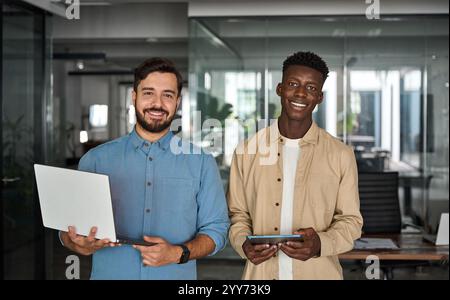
(154, 113)
(298, 104)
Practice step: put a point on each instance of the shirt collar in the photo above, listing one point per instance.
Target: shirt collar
(311, 136)
(139, 143)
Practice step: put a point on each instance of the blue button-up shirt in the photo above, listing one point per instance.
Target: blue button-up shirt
(157, 192)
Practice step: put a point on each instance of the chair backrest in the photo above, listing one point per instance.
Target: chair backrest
(380, 207)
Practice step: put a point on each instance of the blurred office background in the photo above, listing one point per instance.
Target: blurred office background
(66, 87)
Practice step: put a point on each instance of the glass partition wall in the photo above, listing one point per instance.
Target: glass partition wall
(28, 135)
(387, 93)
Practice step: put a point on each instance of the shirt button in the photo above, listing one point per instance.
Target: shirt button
(150, 158)
(146, 144)
(278, 154)
(147, 210)
(276, 228)
(277, 204)
(149, 183)
(279, 179)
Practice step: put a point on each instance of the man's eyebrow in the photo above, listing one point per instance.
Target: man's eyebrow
(308, 81)
(169, 91)
(152, 89)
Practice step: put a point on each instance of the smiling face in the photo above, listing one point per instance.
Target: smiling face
(156, 101)
(300, 92)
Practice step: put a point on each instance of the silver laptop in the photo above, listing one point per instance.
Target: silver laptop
(76, 198)
(441, 238)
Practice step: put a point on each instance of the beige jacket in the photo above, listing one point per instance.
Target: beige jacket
(325, 198)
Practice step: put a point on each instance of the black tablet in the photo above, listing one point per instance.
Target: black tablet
(274, 239)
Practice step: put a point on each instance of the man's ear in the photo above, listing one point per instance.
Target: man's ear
(279, 89)
(178, 103)
(320, 98)
(133, 97)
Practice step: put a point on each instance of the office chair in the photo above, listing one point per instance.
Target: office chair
(380, 208)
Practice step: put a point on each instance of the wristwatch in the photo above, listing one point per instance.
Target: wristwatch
(185, 255)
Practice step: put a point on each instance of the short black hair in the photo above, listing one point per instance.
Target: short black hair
(156, 64)
(307, 59)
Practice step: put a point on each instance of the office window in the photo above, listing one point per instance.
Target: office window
(241, 92)
(364, 114)
(98, 116)
(411, 133)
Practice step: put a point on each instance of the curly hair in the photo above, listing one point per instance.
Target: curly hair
(307, 59)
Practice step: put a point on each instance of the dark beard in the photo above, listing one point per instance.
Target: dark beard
(155, 127)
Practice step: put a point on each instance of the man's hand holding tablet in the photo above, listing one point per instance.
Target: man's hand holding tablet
(258, 249)
(302, 245)
(309, 248)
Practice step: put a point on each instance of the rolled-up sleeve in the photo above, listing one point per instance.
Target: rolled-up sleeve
(241, 224)
(347, 221)
(213, 218)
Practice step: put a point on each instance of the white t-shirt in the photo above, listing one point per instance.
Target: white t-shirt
(291, 155)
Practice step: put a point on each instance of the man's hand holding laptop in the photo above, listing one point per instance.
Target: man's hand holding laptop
(157, 255)
(84, 245)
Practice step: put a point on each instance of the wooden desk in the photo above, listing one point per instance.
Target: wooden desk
(411, 247)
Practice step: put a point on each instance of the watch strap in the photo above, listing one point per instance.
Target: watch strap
(185, 254)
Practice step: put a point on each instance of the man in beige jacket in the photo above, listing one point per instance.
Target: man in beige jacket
(293, 177)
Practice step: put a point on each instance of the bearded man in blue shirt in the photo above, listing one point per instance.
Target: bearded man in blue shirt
(173, 199)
